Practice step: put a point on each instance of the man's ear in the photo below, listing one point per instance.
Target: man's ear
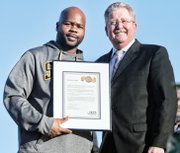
(106, 30)
(57, 26)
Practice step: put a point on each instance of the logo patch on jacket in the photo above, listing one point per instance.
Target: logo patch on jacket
(48, 70)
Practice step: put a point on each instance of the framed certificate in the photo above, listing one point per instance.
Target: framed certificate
(81, 91)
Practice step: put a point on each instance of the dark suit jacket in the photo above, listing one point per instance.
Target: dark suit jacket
(143, 100)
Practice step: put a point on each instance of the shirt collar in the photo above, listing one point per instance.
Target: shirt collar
(125, 48)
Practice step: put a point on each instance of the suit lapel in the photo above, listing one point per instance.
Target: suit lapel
(108, 56)
(128, 58)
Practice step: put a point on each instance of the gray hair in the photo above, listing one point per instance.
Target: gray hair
(116, 6)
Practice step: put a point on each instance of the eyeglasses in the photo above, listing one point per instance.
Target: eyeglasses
(117, 22)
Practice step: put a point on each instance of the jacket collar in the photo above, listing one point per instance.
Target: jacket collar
(128, 58)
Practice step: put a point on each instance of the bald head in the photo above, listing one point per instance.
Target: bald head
(72, 10)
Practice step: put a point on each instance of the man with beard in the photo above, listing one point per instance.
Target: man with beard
(28, 94)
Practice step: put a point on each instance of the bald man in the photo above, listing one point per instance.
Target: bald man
(28, 94)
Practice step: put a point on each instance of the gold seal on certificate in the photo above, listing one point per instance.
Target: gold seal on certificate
(81, 91)
(88, 79)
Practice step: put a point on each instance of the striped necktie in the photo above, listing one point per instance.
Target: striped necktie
(117, 57)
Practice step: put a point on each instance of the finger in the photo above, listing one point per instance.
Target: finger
(65, 130)
(56, 134)
(64, 119)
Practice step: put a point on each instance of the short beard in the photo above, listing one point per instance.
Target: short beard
(64, 44)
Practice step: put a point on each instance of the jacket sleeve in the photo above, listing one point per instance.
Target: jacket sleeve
(17, 89)
(162, 95)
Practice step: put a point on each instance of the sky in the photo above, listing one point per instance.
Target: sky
(27, 24)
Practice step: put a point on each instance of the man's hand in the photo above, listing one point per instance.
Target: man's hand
(57, 130)
(155, 150)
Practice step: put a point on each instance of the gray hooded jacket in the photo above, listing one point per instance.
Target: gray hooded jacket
(28, 99)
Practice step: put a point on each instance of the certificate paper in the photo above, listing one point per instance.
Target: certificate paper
(81, 95)
(81, 92)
